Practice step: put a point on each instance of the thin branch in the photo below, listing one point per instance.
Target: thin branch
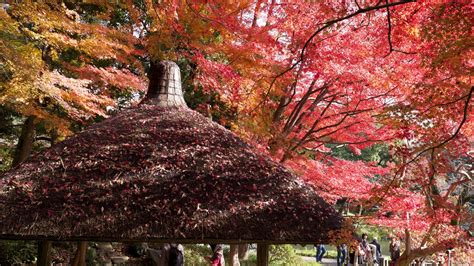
(327, 24)
(464, 118)
(453, 186)
(444, 104)
(290, 148)
(389, 28)
(334, 131)
(427, 235)
(316, 122)
(44, 138)
(355, 142)
(296, 115)
(389, 35)
(403, 52)
(324, 26)
(357, 4)
(402, 169)
(314, 104)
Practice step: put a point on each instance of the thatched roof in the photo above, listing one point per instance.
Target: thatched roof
(159, 172)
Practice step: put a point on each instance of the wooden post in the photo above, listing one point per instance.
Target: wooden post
(44, 253)
(80, 257)
(262, 254)
(234, 255)
(244, 251)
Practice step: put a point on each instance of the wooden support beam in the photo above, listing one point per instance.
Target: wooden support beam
(44, 253)
(80, 257)
(262, 254)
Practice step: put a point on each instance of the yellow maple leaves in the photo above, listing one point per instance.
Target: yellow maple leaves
(44, 49)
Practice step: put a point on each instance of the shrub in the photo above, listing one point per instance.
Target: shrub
(194, 254)
(15, 252)
(283, 255)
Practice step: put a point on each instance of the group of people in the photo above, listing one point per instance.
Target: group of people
(369, 253)
(168, 254)
(361, 252)
(173, 255)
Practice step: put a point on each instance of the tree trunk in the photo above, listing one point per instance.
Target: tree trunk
(80, 257)
(234, 255)
(25, 142)
(407, 242)
(22, 151)
(407, 257)
(404, 260)
(44, 253)
(243, 251)
(262, 255)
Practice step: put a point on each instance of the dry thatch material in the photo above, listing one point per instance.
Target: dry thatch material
(159, 173)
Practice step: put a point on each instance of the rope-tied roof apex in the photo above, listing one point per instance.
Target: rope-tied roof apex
(165, 85)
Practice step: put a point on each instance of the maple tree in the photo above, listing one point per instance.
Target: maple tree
(301, 79)
(57, 69)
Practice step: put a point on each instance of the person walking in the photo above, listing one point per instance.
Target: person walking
(217, 258)
(378, 251)
(176, 255)
(394, 250)
(365, 246)
(341, 254)
(320, 251)
(356, 254)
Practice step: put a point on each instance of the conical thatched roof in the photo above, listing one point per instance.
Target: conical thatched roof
(159, 172)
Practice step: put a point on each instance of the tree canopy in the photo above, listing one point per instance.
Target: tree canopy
(369, 101)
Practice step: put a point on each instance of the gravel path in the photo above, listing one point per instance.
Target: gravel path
(326, 261)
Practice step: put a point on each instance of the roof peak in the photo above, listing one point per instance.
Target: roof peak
(165, 85)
